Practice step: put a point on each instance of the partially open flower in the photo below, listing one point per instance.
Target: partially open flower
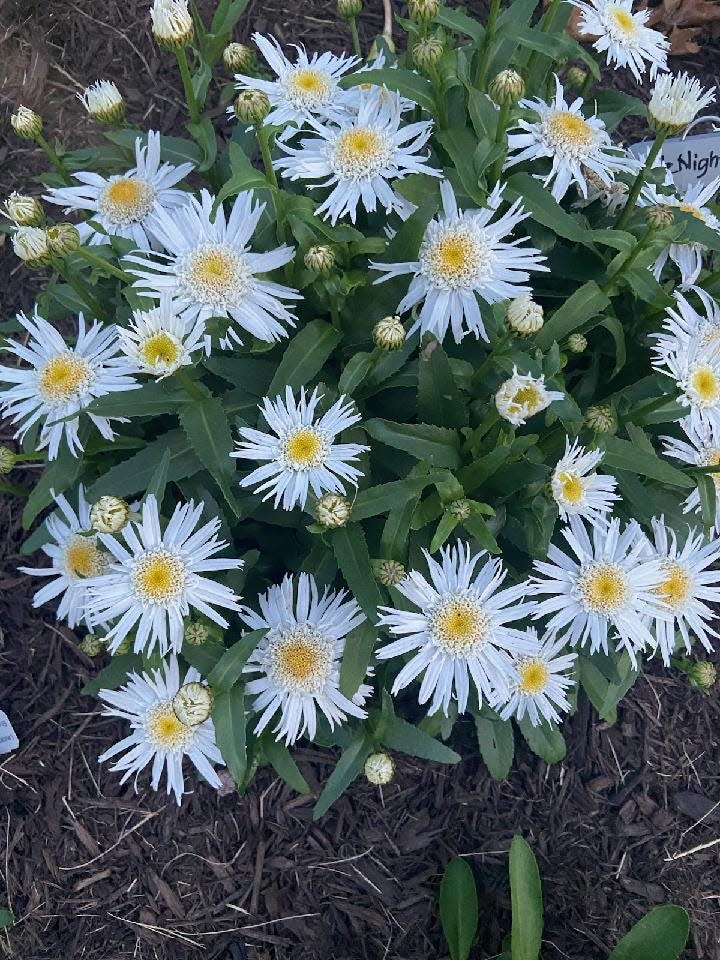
(23, 211)
(92, 645)
(522, 396)
(320, 258)
(251, 106)
(26, 123)
(389, 333)
(193, 703)
(63, 239)
(676, 101)
(31, 245)
(172, 24)
(460, 509)
(379, 768)
(109, 514)
(507, 87)
(332, 510)
(236, 56)
(104, 102)
(524, 317)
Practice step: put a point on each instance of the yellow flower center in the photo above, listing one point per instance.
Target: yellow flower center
(216, 267)
(527, 396)
(126, 199)
(165, 730)
(572, 487)
(712, 459)
(83, 558)
(604, 587)
(214, 274)
(305, 448)
(63, 377)
(676, 588)
(695, 211)
(459, 625)
(534, 676)
(300, 659)
(360, 153)
(624, 20)
(570, 131)
(160, 350)
(308, 87)
(705, 386)
(159, 577)
(456, 257)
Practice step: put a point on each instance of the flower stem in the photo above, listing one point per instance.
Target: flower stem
(357, 49)
(642, 242)
(103, 265)
(190, 97)
(639, 181)
(545, 25)
(264, 142)
(439, 86)
(83, 291)
(54, 158)
(500, 141)
(488, 37)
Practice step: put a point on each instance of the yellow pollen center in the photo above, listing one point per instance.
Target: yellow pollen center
(310, 83)
(605, 588)
(159, 577)
(675, 589)
(299, 659)
(165, 730)
(459, 626)
(572, 487)
(214, 268)
(570, 129)
(82, 557)
(304, 448)
(453, 254)
(534, 675)
(62, 377)
(124, 192)
(704, 383)
(160, 350)
(689, 208)
(527, 396)
(126, 199)
(624, 20)
(359, 144)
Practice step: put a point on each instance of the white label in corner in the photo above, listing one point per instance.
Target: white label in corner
(8, 737)
(694, 160)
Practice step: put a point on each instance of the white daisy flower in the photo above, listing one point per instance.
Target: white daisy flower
(61, 381)
(688, 588)
(300, 451)
(676, 101)
(685, 326)
(696, 372)
(126, 205)
(543, 679)
(301, 90)
(156, 578)
(687, 257)
(211, 271)
(157, 734)
(570, 140)
(623, 36)
(460, 630)
(159, 341)
(609, 585)
(464, 256)
(75, 557)
(299, 658)
(522, 396)
(703, 450)
(577, 489)
(358, 157)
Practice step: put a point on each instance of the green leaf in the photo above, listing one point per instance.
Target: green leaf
(57, 476)
(158, 482)
(355, 372)
(347, 768)
(497, 744)
(206, 425)
(424, 441)
(660, 935)
(353, 558)
(527, 902)
(283, 764)
(228, 716)
(461, 144)
(459, 908)
(114, 674)
(203, 657)
(545, 740)
(544, 208)
(405, 738)
(152, 399)
(203, 133)
(356, 657)
(388, 496)
(304, 356)
(439, 400)
(605, 692)
(623, 455)
(585, 303)
(7, 918)
(477, 527)
(228, 669)
(250, 373)
(244, 176)
(445, 527)
(406, 82)
(708, 499)
(135, 473)
(456, 19)
(227, 13)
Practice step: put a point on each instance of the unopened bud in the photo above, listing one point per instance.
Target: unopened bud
(23, 211)
(91, 645)
(524, 317)
(8, 459)
(63, 239)
(379, 769)
(460, 509)
(577, 343)
(320, 258)
(193, 703)
(426, 53)
(238, 58)
(104, 102)
(601, 418)
(31, 245)
(332, 510)
(252, 106)
(659, 216)
(26, 123)
(422, 11)
(349, 9)
(389, 333)
(575, 77)
(172, 24)
(196, 634)
(507, 87)
(109, 515)
(702, 675)
(389, 572)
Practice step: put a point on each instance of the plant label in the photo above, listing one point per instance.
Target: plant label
(694, 160)
(8, 737)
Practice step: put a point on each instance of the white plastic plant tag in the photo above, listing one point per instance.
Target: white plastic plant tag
(8, 737)
(694, 160)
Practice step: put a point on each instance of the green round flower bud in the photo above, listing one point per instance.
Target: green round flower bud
(26, 123)
(460, 509)
(320, 258)
(193, 703)
(575, 77)
(252, 106)
(379, 769)
(426, 53)
(423, 11)
(507, 87)
(8, 459)
(23, 211)
(601, 418)
(172, 24)
(91, 645)
(577, 343)
(389, 572)
(389, 333)
(524, 317)
(196, 634)
(702, 675)
(31, 245)
(125, 646)
(659, 216)
(109, 515)
(349, 9)
(104, 102)
(238, 58)
(332, 510)
(63, 239)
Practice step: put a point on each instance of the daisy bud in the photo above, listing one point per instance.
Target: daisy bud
(389, 334)
(8, 460)
(196, 634)
(193, 703)
(702, 675)
(91, 645)
(251, 106)
(659, 216)
(426, 53)
(460, 509)
(63, 239)
(23, 211)
(422, 11)
(26, 123)
(507, 87)
(332, 510)
(109, 515)
(675, 102)
(172, 24)
(601, 418)
(104, 102)
(238, 58)
(389, 572)
(524, 317)
(575, 77)
(31, 245)
(577, 343)
(320, 258)
(379, 769)
(349, 9)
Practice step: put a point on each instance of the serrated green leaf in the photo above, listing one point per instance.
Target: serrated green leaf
(356, 657)
(497, 744)
(152, 399)
(158, 481)
(459, 908)
(660, 935)
(622, 455)
(352, 555)
(206, 426)
(545, 740)
(346, 770)
(585, 303)
(402, 736)
(389, 496)
(434, 445)
(204, 656)
(113, 675)
(135, 473)
(228, 716)
(282, 762)
(406, 82)
(439, 399)
(7, 918)
(229, 668)
(58, 476)
(304, 356)
(527, 902)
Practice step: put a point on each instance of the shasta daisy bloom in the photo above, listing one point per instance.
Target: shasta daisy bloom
(685, 326)
(155, 578)
(159, 341)
(573, 142)
(126, 205)
(522, 396)
(299, 657)
(359, 156)
(623, 35)
(157, 734)
(690, 588)
(209, 269)
(460, 632)
(306, 88)
(61, 381)
(676, 101)
(464, 255)
(301, 451)
(703, 450)
(543, 679)
(604, 586)
(75, 557)
(577, 489)
(696, 372)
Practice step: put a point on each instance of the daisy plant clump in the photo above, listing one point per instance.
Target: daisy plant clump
(386, 394)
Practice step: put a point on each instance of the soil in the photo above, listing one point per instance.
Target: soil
(97, 872)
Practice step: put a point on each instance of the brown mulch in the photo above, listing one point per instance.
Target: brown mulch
(96, 872)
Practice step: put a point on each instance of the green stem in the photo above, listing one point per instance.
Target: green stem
(498, 349)
(14, 489)
(639, 181)
(190, 97)
(439, 97)
(35, 455)
(83, 291)
(488, 37)
(357, 49)
(54, 158)
(637, 415)
(103, 265)
(263, 140)
(188, 384)
(500, 141)
(545, 25)
(642, 242)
